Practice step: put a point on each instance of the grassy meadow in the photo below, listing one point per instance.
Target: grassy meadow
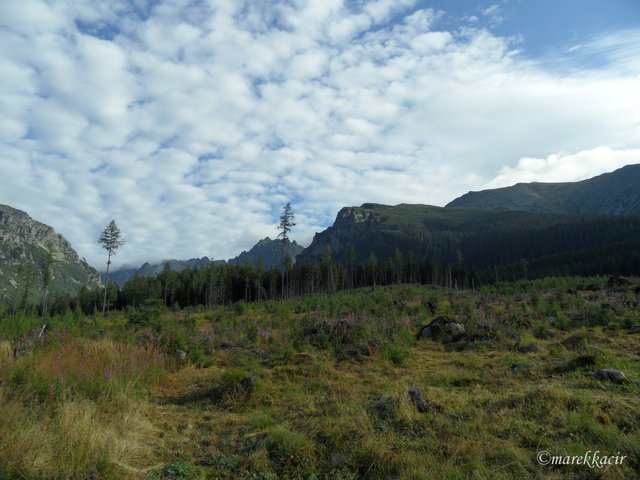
(317, 387)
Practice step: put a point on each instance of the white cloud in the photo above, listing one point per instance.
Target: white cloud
(565, 167)
(192, 124)
(494, 14)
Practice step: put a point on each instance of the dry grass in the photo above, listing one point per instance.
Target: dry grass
(75, 411)
(75, 440)
(6, 355)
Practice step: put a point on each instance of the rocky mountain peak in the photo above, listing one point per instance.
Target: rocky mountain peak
(264, 241)
(24, 247)
(269, 251)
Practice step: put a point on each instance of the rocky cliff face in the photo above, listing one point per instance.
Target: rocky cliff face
(615, 193)
(352, 224)
(24, 247)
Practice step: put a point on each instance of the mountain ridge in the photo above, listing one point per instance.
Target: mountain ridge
(612, 193)
(481, 240)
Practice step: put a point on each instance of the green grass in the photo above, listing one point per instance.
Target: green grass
(328, 395)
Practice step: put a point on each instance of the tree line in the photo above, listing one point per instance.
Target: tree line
(596, 246)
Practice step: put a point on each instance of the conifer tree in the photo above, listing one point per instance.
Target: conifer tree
(285, 226)
(110, 239)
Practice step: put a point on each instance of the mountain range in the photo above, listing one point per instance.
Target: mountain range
(266, 250)
(592, 226)
(584, 227)
(147, 269)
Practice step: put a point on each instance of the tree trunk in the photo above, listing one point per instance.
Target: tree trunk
(106, 285)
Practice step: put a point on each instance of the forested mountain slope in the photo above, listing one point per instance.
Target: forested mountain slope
(482, 240)
(615, 193)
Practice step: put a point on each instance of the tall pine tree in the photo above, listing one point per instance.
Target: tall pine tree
(110, 239)
(285, 226)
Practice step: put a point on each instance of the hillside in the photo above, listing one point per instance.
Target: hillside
(482, 240)
(615, 193)
(24, 247)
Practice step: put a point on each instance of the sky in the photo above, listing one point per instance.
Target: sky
(192, 123)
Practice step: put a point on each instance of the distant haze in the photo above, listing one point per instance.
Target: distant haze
(192, 123)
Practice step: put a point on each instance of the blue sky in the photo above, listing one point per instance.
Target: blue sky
(193, 122)
(545, 27)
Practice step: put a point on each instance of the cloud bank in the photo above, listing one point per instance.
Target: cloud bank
(193, 123)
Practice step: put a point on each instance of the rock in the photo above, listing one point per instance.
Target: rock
(440, 326)
(515, 368)
(610, 374)
(635, 329)
(454, 328)
(416, 396)
(180, 355)
(426, 332)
